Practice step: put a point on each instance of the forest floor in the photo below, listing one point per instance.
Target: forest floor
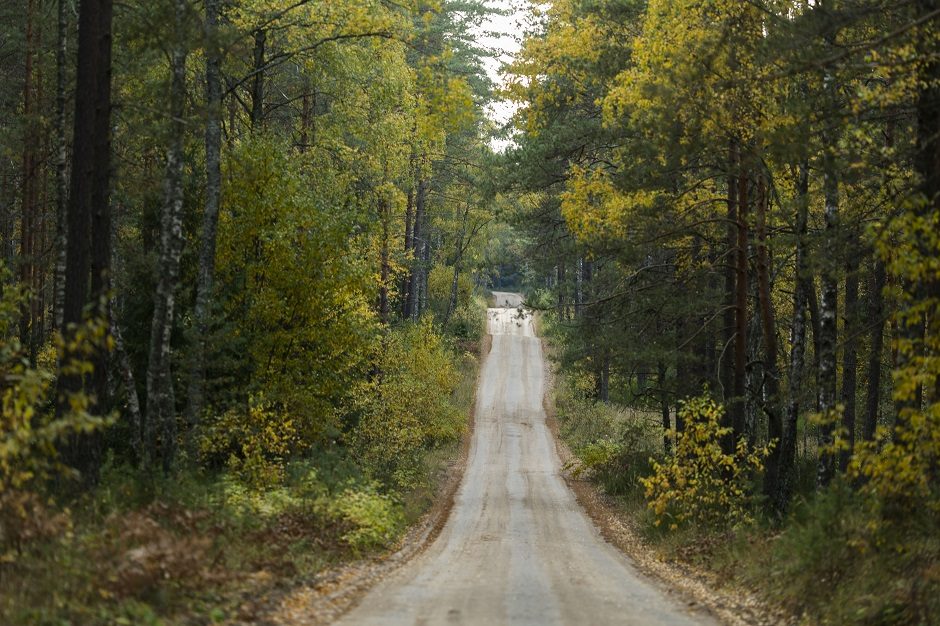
(200, 549)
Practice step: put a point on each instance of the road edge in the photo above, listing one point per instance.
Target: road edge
(336, 591)
(694, 588)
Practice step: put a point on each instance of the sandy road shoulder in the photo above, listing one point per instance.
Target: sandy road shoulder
(699, 590)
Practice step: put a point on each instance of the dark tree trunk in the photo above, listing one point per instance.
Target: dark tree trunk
(850, 353)
(418, 238)
(726, 373)
(458, 263)
(812, 307)
(62, 176)
(29, 250)
(602, 377)
(780, 489)
(101, 194)
(385, 261)
(738, 408)
(769, 334)
(126, 371)
(425, 261)
(210, 221)
(661, 373)
(579, 288)
(927, 164)
(88, 186)
(828, 324)
(877, 325)
(409, 244)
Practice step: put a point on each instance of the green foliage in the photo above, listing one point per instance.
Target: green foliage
(583, 420)
(700, 484)
(440, 283)
(376, 518)
(613, 445)
(898, 468)
(295, 289)
(873, 573)
(407, 408)
(254, 443)
(468, 321)
(30, 427)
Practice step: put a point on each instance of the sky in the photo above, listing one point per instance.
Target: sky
(501, 33)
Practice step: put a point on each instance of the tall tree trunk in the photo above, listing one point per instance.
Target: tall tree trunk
(126, 371)
(458, 260)
(406, 281)
(738, 407)
(769, 335)
(385, 260)
(417, 242)
(62, 175)
(850, 352)
(210, 221)
(579, 288)
(29, 251)
(780, 489)
(90, 173)
(828, 323)
(603, 375)
(161, 405)
(815, 325)
(425, 264)
(101, 204)
(726, 373)
(927, 164)
(876, 324)
(661, 372)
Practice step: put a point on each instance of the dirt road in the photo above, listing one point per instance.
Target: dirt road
(517, 548)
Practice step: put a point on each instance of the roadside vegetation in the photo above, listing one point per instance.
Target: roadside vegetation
(832, 561)
(241, 316)
(729, 213)
(266, 507)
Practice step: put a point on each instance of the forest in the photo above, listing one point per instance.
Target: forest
(732, 213)
(247, 249)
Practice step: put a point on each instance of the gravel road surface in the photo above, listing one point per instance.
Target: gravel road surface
(517, 548)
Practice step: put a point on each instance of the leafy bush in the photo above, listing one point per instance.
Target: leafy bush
(613, 445)
(873, 573)
(597, 455)
(376, 518)
(255, 443)
(407, 408)
(541, 298)
(440, 283)
(468, 321)
(295, 290)
(700, 484)
(30, 426)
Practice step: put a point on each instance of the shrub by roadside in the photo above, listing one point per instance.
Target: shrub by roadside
(264, 511)
(833, 560)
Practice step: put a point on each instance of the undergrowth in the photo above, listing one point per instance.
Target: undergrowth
(208, 546)
(835, 559)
